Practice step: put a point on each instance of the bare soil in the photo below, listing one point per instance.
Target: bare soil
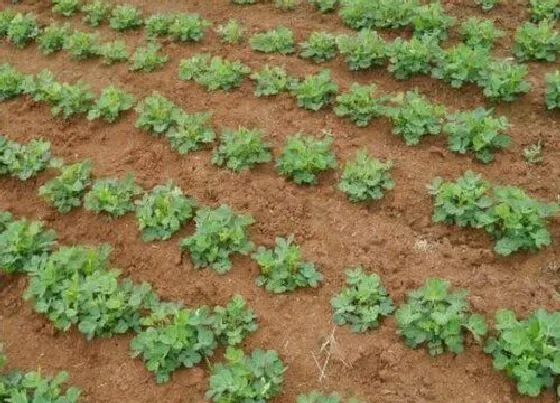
(394, 237)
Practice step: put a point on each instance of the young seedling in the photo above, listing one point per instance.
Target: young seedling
(533, 153)
(412, 57)
(280, 40)
(187, 28)
(304, 157)
(213, 72)
(232, 31)
(11, 82)
(286, 5)
(319, 47)
(437, 317)
(65, 191)
(82, 45)
(552, 92)
(360, 104)
(24, 160)
(22, 29)
(315, 91)
(112, 196)
(504, 80)
(52, 37)
(96, 12)
(157, 25)
(191, 132)
(363, 303)
(113, 52)
(364, 50)
(242, 377)
(324, 6)
(431, 20)
(242, 149)
(65, 7)
(157, 114)
(366, 178)
(462, 64)
(146, 58)
(360, 14)
(111, 103)
(414, 117)
(283, 269)
(234, 322)
(163, 211)
(477, 131)
(536, 41)
(125, 17)
(270, 81)
(480, 33)
(219, 233)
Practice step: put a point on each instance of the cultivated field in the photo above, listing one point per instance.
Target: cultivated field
(205, 175)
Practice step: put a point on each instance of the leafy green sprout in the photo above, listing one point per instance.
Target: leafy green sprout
(231, 31)
(242, 149)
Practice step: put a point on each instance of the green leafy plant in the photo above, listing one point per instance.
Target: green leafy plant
(412, 57)
(360, 14)
(362, 303)
(234, 322)
(283, 269)
(461, 202)
(163, 211)
(174, 338)
(517, 221)
(5, 218)
(75, 286)
(533, 153)
(65, 7)
(477, 131)
(158, 25)
(23, 28)
(360, 104)
(536, 41)
(146, 58)
(125, 17)
(22, 242)
(324, 6)
(366, 178)
(504, 80)
(480, 32)
(527, 350)
(66, 190)
(315, 91)
(52, 37)
(81, 45)
(11, 82)
(156, 114)
(24, 160)
(437, 317)
(257, 377)
(42, 87)
(72, 99)
(462, 64)
(286, 5)
(414, 117)
(319, 47)
(188, 27)
(6, 17)
(552, 92)
(243, 2)
(113, 52)
(242, 149)
(270, 81)
(487, 5)
(213, 72)
(431, 20)
(96, 12)
(364, 50)
(544, 9)
(232, 31)
(19, 386)
(280, 39)
(304, 157)
(191, 132)
(112, 195)
(111, 103)
(219, 233)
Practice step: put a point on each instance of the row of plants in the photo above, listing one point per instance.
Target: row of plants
(77, 286)
(471, 62)
(169, 336)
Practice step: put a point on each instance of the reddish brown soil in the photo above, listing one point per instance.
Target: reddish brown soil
(332, 232)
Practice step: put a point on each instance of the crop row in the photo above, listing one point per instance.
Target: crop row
(301, 160)
(469, 62)
(413, 116)
(77, 286)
